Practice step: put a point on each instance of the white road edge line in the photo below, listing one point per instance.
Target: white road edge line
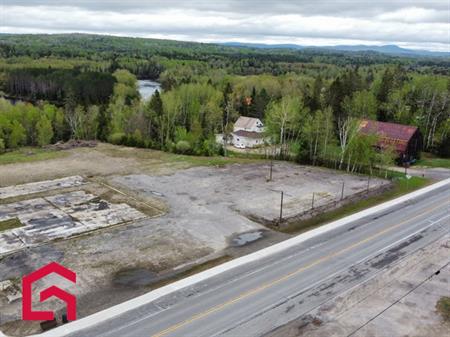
(134, 303)
(364, 259)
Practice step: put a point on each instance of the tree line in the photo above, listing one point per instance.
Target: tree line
(311, 109)
(313, 118)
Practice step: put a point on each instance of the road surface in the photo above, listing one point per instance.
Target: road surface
(256, 298)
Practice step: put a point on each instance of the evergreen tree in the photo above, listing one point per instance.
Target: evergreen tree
(156, 104)
(261, 102)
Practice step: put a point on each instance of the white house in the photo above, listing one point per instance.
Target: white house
(248, 132)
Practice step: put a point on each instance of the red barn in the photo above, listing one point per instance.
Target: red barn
(404, 139)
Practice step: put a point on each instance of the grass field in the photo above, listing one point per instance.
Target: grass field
(29, 154)
(430, 160)
(10, 224)
(401, 186)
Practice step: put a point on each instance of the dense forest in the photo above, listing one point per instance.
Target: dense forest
(85, 87)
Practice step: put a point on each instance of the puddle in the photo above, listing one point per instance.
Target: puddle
(246, 238)
(157, 193)
(135, 277)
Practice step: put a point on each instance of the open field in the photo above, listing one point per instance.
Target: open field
(28, 154)
(103, 160)
(182, 212)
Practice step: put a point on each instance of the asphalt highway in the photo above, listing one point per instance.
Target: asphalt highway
(256, 298)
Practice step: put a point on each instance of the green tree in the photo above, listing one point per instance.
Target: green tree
(17, 136)
(44, 131)
(283, 120)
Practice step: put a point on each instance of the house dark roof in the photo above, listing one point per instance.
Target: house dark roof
(249, 134)
(390, 134)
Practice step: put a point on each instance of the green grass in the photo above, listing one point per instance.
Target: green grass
(10, 224)
(430, 160)
(29, 154)
(443, 307)
(401, 186)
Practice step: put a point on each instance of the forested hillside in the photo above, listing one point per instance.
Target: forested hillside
(84, 86)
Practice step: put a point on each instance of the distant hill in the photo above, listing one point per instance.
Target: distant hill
(270, 58)
(385, 49)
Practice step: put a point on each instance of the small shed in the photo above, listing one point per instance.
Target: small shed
(406, 140)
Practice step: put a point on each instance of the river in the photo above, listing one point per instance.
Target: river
(147, 88)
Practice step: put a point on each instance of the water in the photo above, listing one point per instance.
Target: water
(246, 238)
(147, 88)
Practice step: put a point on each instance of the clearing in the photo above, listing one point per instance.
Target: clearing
(127, 220)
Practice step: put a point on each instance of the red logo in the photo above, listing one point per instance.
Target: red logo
(27, 281)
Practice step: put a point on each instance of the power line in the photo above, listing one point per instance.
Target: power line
(398, 300)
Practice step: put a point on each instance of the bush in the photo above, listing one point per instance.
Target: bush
(210, 147)
(117, 138)
(2, 145)
(183, 147)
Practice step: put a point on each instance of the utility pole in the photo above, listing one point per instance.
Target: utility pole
(342, 191)
(281, 207)
(312, 202)
(271, 168)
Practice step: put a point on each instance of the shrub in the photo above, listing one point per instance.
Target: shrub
(210, 147)
(183, 147)
(117, 138)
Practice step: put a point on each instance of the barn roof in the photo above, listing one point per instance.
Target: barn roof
(390, 134)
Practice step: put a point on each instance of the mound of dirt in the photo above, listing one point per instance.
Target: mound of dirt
(72, 144)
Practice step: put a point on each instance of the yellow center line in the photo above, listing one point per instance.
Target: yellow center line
(285, 277)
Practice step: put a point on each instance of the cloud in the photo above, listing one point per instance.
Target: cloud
(415, 24)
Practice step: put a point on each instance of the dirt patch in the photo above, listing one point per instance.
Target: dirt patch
(134, 277)
(72, 144)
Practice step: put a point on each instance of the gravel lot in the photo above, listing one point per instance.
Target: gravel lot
(207, 209)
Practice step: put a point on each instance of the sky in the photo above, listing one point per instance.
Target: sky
(406, 23)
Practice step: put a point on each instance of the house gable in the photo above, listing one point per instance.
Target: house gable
(248, 124)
